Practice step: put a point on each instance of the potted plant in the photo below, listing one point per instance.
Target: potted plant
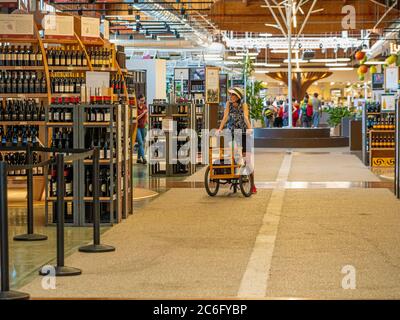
(336, 114)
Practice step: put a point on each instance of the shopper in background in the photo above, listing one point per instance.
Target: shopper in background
(268, 114)
(141, 132)
(296, 113)
(236, 115)
(278, 113)
(316, 103)
(306, 113)
(285, 118)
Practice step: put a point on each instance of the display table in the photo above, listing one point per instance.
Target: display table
(297, 138)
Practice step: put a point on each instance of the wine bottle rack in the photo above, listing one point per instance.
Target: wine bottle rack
(378, 130)
(41, 48)
(163, 163)
(79, 212)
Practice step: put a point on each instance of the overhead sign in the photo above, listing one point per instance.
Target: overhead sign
(16, 25)
(58, 26)
(90, 27)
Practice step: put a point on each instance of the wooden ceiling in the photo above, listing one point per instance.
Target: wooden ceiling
(249, 16)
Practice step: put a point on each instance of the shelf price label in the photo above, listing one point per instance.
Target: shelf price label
(167, 124)
(16, 25)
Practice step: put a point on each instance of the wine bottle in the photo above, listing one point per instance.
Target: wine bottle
(32, 57)
(88, 184)
(39, 57)
(68, 181)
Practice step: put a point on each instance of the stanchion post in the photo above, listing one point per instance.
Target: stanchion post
(96, 197)
(397, 154)
(30, 235)
(5, 293)
(60, 269)
(96, 246)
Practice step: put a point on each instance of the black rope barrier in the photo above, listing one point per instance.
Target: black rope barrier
(5, 292)
(62, 156)
(30, 235)
(96, 246)
(60, 269)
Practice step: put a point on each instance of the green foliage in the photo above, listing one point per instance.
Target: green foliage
(254, 101)
(336, 114)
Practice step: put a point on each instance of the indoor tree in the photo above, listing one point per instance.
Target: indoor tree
(253, 91)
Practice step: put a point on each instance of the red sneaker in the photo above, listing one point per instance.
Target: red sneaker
(253, 190)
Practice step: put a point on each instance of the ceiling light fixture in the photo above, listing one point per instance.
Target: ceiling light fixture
(371, 63)
(341, 69)
(263, 64)
(250, 54)
(284, 51)
(343, 64)
(343, 59)
(296, 61)
(261, 71)
(324, 60)
(234, 58)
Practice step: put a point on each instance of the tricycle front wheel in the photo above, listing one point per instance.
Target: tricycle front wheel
(212, 186)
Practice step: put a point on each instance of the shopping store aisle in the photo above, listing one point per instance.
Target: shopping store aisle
(287, 241)
(266, 164)
(183, 244)
(323, 231)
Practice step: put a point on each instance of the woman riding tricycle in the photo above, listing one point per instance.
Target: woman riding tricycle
(230, 168)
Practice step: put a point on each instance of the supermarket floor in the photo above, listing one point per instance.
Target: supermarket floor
(321, 221)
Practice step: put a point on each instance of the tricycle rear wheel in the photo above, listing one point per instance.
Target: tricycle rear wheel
(245, 185)
(212, 186)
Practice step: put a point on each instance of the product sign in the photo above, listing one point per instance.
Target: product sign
(90, 27)
(378, 81)
(97, 83)
(181, 74)
(212, 85)
(388, 102)
(58, 26)
(16, 25)
(391, 78)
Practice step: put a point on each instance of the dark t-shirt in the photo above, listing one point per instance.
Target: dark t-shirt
(142, 121)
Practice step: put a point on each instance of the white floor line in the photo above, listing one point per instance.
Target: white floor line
(255, 279)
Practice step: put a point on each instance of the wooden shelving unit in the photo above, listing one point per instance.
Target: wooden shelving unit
(36, 43)
(126, 125)
(23, 95)
(22, 68)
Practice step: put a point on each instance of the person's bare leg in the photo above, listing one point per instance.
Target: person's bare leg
(252, 173)
(252, 180)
